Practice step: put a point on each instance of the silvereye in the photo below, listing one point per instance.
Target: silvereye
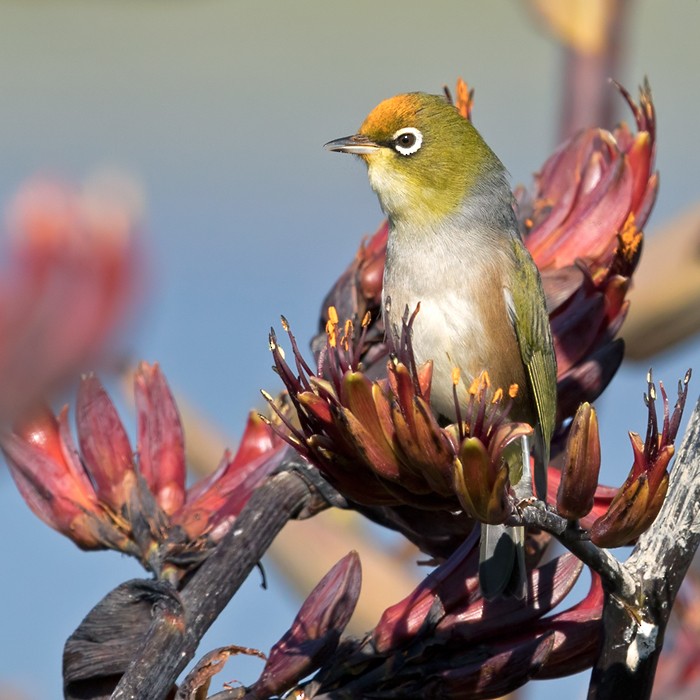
(454, 246)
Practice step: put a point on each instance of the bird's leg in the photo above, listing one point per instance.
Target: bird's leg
(524, 489)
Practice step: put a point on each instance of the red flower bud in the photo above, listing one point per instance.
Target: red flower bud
(48, 473)
(104, 444)
(70, 278)
(160, 438)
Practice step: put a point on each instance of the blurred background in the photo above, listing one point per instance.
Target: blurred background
(217, 112)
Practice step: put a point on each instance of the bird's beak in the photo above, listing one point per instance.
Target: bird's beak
(358, 144)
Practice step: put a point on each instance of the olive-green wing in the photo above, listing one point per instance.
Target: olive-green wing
(528, 310)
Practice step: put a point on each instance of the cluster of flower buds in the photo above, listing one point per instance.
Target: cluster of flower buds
(616, 517)
(638, 501)
(379, 443)
(443, 640)
(103, 495)
(582, 225)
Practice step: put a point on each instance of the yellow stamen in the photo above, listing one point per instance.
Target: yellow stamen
(347, 335)
(366, 319)
(513, 390)
(332, 326)
(630, 238)
(497, 395)
(455, 375)
(480, 384)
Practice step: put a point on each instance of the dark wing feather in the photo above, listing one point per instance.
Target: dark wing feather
(528, 312)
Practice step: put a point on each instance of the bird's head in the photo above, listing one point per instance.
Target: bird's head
(423, 158)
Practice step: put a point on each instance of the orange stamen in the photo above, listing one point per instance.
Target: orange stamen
(630, 238)
(332, 326)
(465, 99)
(480, 384)
(347, 335)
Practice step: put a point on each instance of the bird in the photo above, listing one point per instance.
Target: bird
(454, 249)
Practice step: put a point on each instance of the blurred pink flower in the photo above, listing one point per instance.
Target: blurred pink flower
(70, 275)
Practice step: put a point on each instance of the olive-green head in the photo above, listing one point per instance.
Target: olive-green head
(423, 158)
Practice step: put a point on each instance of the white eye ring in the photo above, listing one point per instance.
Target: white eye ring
(407, 140)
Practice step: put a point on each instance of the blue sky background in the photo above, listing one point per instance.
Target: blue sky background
(219, 109)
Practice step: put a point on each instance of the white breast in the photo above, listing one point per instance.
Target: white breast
(445, 276)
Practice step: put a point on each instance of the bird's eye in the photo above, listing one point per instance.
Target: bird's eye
(407, 141)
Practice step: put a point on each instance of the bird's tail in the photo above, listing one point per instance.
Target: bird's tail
(502, 555)
(502, 562)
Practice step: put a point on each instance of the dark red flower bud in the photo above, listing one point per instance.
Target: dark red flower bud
(316, 630)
